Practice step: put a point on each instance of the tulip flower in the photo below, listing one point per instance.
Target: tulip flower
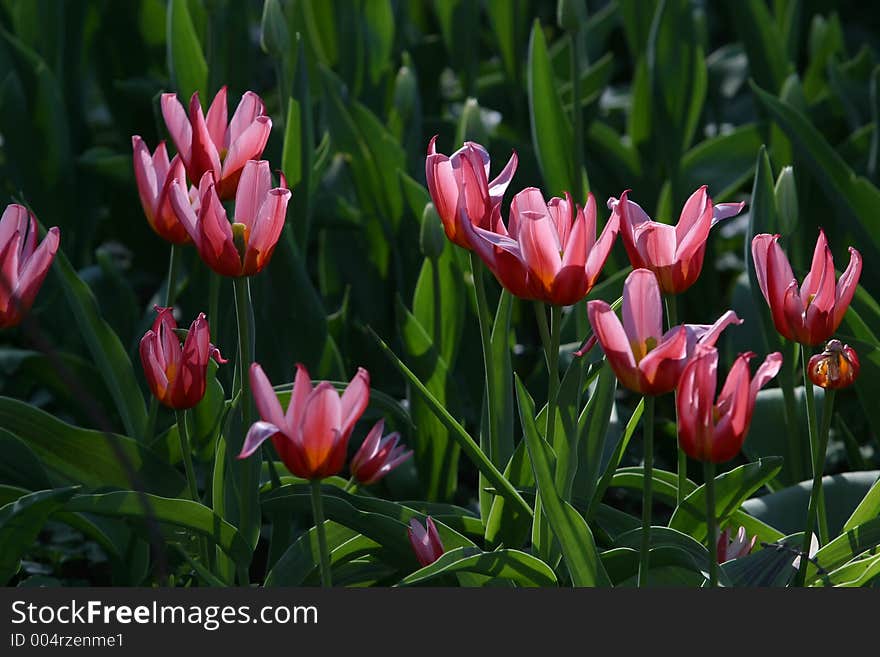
(836, 367)
(154, 174)
(674, 253)
(311, 436)
(244, 247)
(811, 313)
(554, 246)
(710, 430)
(736, 547)
(23, 264)
(425, 541)
(176, 374)
(482, 199)
(378, 456)
(209, 143)
(645, 359)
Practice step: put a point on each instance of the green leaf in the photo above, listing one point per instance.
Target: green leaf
(19, 465)
(378, 22)
(854, 196)
(185, 58)
(467, 444)
(769, 566)
(666, 537)
(292, 152)
(851, 543)
(868, 508)
(571, 530)
(724, 162)
(615, 458)
(87, 457)
(597, 447)
(519, 567)
(20, 523)
(731, 490)
(174, 512)
(764, 45)
(857, 573)
(551, 129)
(106, 349)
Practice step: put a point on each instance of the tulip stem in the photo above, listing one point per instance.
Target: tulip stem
(351, 485)
(213, 306)
(647, 489)
(244, 314)
(437, 337)
(711, 539)
(553, 372)
(186, 453)
(318, 513)
(817, 452)
(824, 429)
(681, 491)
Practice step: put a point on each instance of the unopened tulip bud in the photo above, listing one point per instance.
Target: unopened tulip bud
(406, 90)
(470, 125)
(425, 541)
(378, 456)
(836, 367)
(571, 15)
(432, 237)
(786, 201)
(274, 37)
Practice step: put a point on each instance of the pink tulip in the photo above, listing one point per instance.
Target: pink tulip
(425, 541)
(482, 200)
(811, 313)
(644, 358)
(23, 264)
(378, 456)
(209, 143)
(710, 430)
(244, 247)
(154, 174)
(311, 437)
(553, 246)
(177, 375)
(674, 253)
(736, 547)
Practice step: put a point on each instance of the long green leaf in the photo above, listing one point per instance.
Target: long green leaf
(185, 58)
(519, 567)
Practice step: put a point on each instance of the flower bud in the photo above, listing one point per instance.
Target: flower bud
(836, 367)
(274, 37)
(786, 201)
(571, 15)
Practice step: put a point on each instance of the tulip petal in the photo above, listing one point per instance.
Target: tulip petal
(178, 126)
(319, 426)
(184, 211)
(499, 185)
(253, 186)
(354, 401)
(615, 343)
(766, 371)
(265, 398)
(204, 155)
(249, 108)
(34, 271)
(249, 145)
(599, 252)
(266, 230)
(722, 211)
(760, 249)
(216, 119)
(642, 308)
(256, 435)
(663, 365)
(693, 224)
(846, 286)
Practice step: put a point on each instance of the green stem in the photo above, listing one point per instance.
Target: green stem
(711, 538)
(244, 314)
(351, 485)
(681, 490)
(318, 513)
(787, 383)
(213, 305)
(827, 413)
(818, 462)
(553, 373)
(577, 115)
(488, 444)
(186, 453)
(647, 489)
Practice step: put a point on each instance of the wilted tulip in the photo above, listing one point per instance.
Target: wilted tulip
(482, 201)
(710, 430)
(811, 313)
(425, 541)
(176, 374)
(377, 456)
(735, 547)
(674, 253)
(311, 437)
(23, 264)
(244, 247)
(644, 358)
(553, 244)
(154, 174)
(836, 367)
(209, 143)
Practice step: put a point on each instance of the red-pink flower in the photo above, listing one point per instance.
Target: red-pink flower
(734, 547)
(482, 200)
(644, 358)
(176, 374)
(244, 247)
(425, 541)
(311, 437)
(154, 174)
(210, 143)
(674, 253)
(377, 456)
(553, 247)
(23, 264)
(714, 430)
(836, 367)
(811, 313)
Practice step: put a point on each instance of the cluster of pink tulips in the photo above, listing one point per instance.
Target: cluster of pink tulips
(549, 251)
